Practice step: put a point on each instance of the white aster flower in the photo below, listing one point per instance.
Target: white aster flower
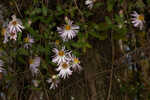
(68, 31)
(28, 41)
(13, 36)
(76, 64)
(60, 55)
(64, 70)
(138, 20)
(54, 80)
(90, 3)
(34, 64)
(15, 25)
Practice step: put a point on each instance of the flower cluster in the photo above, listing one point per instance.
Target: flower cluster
(65, 60)
(11, 29)
(10, 32)
(67, 63)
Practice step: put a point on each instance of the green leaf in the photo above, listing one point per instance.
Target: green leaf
(140, 4)
(103, 36)
(21, 60)
(22, 51)
(103, 26)
(121, 1)
(108, 20)
(44, 10)
(19, 36)
(110, 5)
(98, 4)
(80, 44)
(120, 33)
(148, 1)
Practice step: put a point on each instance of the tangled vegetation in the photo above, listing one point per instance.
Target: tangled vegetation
(74, 50)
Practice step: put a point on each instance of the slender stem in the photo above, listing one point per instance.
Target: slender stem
(111, 75)
(44, 86)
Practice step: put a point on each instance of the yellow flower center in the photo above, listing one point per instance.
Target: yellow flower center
(57, 42)
(3, 31)
(67, 27)
(141, 17)
(65, 65)
(31, 61)
(61, 53)
(12, 34)
(26, 39)
(76, 61)
(14, 23)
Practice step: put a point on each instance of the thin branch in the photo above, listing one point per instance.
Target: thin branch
(18, 9)
(111, 75)
(79, 10)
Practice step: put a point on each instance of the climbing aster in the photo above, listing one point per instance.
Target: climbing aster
(64, 70)
(138, 20)
(76, 64)
(28, 41)
(60, 55)
(15, 25)
(34, 64)
(68, 31)
(54, 81)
